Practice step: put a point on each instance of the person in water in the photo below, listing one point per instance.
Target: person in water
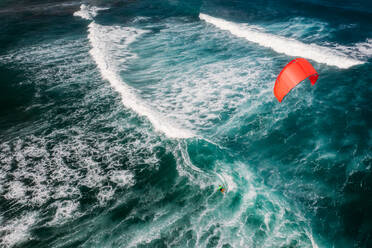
(221, 188)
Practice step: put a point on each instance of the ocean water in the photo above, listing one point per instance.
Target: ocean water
(119, 119)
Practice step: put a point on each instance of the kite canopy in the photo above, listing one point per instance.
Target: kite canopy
(292, 74)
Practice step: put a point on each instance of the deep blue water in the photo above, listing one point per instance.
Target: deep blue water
(119, 119)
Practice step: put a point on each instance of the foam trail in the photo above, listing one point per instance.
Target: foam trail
(103, 39)
(284, 45)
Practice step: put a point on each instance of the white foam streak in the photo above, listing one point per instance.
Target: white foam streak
(313, 243)
(122, 178)
(360, 49)
(101, 54)
(366, 47)
(284, 45)
(87, 12)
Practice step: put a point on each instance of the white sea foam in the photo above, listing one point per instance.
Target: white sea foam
(139, 19)
(258, 212)
(17, 230)
(122, 178)
(16, 191)
(365, 47)
(87, 12)
(313, 243)
(45, 172)
(284, 45)
(198, 95)
(359, 50)
(110, 41)
(65, 211)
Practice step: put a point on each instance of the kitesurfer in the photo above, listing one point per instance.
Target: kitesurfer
(221, 188)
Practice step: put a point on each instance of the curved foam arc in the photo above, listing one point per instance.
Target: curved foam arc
(284, 45)
(108, 71)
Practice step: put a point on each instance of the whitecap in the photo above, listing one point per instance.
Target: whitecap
(285, 45)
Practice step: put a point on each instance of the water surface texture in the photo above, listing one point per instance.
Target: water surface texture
(119, 119)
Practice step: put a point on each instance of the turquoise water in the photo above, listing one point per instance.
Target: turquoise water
(119, 119)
